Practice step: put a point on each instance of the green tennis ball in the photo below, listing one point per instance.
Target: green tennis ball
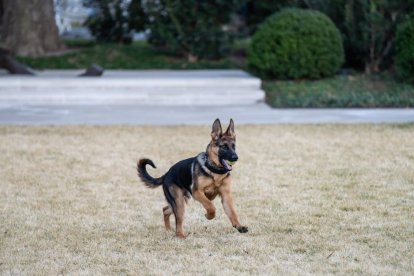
(231, 162)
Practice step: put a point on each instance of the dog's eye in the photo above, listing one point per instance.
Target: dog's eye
(225, 146)
(233, 146)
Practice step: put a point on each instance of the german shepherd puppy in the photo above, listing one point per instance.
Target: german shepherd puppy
(203, 177)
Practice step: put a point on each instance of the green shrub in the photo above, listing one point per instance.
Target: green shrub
(405, 51)
(296, 43)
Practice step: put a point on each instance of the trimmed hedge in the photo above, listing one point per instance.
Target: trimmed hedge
(358, 91)
(295, 44)
(405, 51)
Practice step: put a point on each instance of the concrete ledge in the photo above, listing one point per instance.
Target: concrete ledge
(124, 97)
(82, 82)
(164, 87)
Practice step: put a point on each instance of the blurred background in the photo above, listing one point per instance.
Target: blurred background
(309, 53)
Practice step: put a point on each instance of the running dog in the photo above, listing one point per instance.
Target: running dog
(203, 177)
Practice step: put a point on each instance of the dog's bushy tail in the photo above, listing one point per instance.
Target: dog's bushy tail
(148, 180)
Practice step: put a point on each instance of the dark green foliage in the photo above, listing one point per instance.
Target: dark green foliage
(368, 28)
(191, 28)
(294, 44)
(114, 20)
(254, 12)
(137, 18)
(339, 92)
(405, 51)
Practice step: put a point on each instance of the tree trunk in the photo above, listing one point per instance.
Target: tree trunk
(29, 27)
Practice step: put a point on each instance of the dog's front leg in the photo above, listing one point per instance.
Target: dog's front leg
(208, 205)
(228, 206)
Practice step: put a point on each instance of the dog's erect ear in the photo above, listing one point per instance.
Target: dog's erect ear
(230, 129)
(216, 131)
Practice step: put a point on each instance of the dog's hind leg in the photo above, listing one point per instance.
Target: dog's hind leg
(167, 211)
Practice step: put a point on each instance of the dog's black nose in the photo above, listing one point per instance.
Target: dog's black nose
(234, 157)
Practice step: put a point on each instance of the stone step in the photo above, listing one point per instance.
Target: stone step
(143, 97)
(161, 87)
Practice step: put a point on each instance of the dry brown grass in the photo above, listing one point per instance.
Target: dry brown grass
(317, 200)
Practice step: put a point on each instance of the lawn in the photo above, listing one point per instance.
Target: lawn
(318, 199)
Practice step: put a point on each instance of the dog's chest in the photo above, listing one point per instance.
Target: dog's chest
(211, 185)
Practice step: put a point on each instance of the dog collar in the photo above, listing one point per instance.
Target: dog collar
(207, 164)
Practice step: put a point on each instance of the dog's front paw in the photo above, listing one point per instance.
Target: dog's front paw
(210, 215)
(242, 229)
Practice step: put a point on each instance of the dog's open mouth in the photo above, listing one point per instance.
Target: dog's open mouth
(228, 165)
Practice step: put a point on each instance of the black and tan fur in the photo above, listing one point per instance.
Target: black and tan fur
(203, 177)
